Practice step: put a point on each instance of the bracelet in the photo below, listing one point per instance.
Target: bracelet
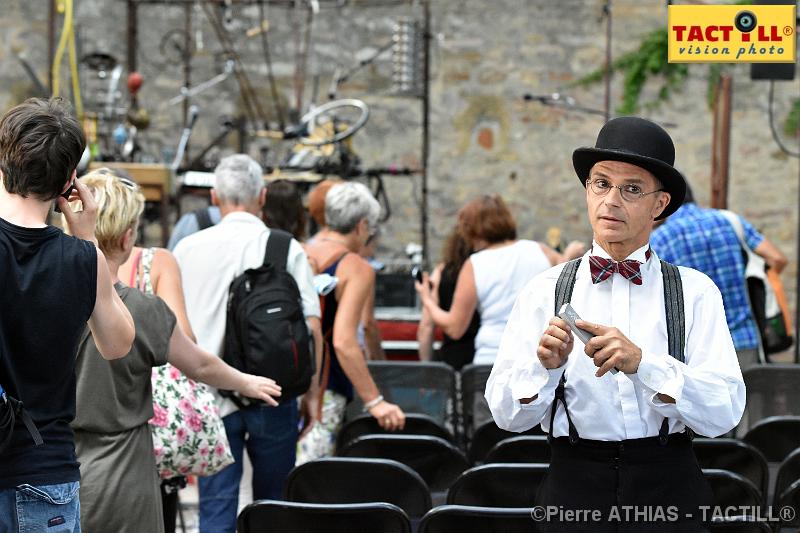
(373, 402)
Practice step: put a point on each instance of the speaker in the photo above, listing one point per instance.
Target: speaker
(772, 71)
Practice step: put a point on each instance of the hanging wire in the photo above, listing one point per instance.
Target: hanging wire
(772, 127)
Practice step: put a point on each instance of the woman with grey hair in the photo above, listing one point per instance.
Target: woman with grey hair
(351, 214)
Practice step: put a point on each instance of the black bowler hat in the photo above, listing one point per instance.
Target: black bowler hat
(639, 142)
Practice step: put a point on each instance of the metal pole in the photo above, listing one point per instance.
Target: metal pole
(51, 43)
(133, 40)
(607, 76)
(721, 143)
(797, 267)
(725, 139)
(425, 128)
(187, 62)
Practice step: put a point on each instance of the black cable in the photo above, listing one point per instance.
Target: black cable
(772, 128)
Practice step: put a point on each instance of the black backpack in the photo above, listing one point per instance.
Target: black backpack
(266, 332)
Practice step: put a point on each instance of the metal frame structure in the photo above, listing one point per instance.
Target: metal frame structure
(132, 48)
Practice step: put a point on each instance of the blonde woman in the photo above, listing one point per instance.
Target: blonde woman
(120, 485)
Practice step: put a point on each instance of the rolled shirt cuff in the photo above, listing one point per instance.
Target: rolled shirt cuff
(659, 374)
(539, 381)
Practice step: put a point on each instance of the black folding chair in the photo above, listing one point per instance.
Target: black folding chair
(734, 456)
(788, 498)
(366, 424)
(436, 460)
(525, 449)
(488, 435)
(772, 390)
(269, 516)
(427, 388)
(359, 480)
(739, 524)
(732, 490)
(776, 437)
(462, 519)
(498, 485)
(788, 472)
(474, 409)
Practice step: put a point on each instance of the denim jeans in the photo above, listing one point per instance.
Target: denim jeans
(41, 509)
(270, 435)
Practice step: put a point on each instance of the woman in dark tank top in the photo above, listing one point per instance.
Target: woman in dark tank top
(454, 352)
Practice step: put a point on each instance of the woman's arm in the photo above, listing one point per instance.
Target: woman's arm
(357, 279)
(426, 328)
(372, 335)
(167, 285)
(465, 300)
(574, 249)
(203, 366)
(309, 403)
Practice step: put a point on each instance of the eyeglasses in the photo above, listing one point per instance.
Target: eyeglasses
(125, 181)
(630, 192)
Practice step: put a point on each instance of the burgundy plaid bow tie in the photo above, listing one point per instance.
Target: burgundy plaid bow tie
(602, 268)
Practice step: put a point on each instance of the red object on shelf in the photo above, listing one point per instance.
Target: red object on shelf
(135, 81)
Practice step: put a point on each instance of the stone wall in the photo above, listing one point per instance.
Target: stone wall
(484, 136)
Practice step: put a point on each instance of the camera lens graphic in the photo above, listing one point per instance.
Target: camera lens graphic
(745, 21)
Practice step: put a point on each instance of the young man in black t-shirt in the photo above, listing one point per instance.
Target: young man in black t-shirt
(51, 285)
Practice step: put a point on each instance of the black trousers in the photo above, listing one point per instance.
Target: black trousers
(637, 485)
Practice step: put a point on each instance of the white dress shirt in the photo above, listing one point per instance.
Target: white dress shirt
(209, 262)
(708, 389)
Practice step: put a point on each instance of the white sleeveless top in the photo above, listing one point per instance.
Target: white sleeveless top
(500, 275)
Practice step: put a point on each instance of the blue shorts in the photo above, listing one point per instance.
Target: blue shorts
(41, 509)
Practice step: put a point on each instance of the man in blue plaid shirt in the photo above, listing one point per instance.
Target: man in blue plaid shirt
(703, 239)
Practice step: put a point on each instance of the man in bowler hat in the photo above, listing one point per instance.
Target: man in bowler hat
(621, 408)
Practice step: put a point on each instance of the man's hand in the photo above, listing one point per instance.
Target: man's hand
(555, 344)
(609, 348)
(81, 223)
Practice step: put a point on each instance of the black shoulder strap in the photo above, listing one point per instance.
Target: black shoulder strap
(277, 250)
(673, 307)
(203, 218)
(566, 282)
(564, 287)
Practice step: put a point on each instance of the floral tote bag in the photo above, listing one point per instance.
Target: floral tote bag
(188, 434)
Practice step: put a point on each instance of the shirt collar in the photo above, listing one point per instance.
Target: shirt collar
(637, 255)
(241, 216)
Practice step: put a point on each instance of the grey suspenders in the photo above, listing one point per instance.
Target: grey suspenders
(676, 329)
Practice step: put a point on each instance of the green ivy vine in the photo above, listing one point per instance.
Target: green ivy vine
(791, 125)
(649, 60)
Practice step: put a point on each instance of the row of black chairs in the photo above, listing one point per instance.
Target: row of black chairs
(267, 516)
(363, 480)
(427, 448)
(454, 401)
